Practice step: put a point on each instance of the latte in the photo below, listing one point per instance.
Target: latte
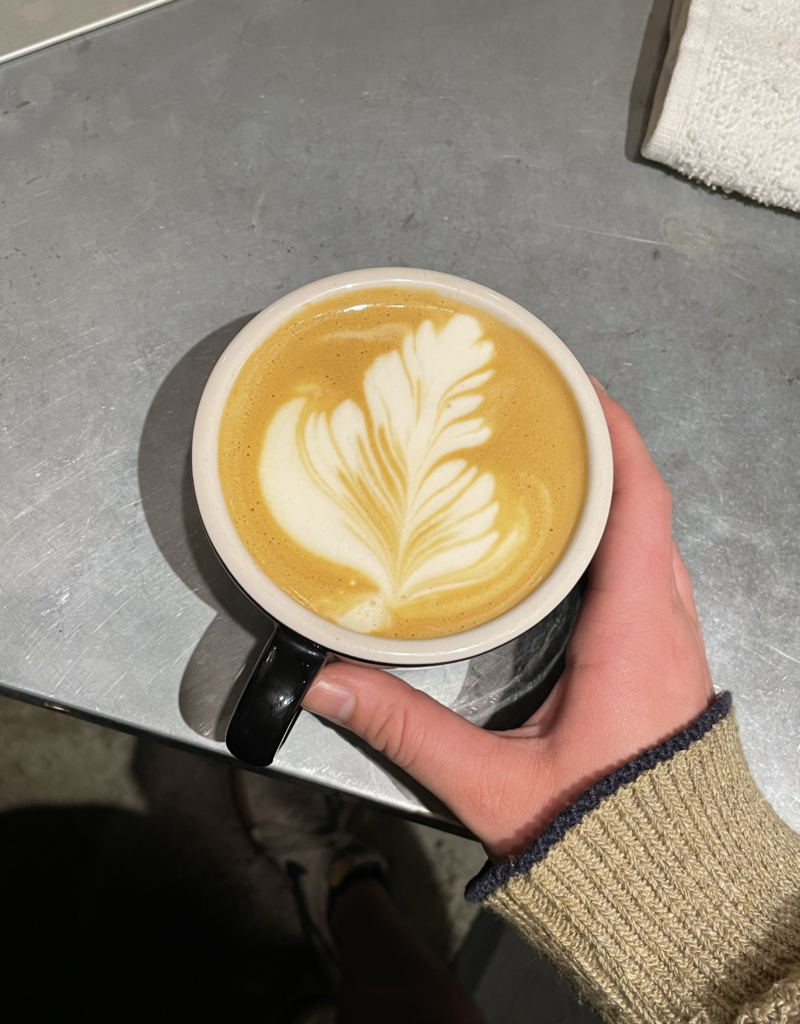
(401, 463)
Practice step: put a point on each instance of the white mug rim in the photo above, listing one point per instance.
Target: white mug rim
(347, 642)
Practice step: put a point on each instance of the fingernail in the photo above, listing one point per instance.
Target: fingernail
(597, 384)
(330, 700)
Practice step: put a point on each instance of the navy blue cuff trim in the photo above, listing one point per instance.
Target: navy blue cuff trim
(491, 877)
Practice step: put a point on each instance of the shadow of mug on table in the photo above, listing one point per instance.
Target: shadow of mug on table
(226, 654)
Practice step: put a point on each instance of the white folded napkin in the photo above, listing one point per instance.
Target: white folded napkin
(727, 105)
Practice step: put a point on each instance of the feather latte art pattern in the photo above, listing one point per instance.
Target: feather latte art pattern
(389, 490)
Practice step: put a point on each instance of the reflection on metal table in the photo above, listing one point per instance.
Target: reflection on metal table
(166, 177)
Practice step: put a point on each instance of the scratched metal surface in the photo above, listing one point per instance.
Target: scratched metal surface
(167, 177)
(26, 26)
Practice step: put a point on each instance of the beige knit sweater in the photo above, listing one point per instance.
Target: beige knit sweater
(670, 892)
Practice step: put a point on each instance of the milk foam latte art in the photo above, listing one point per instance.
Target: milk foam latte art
(401, 464)
(375, 486)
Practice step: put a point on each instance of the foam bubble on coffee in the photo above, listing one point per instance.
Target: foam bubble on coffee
(386, 487)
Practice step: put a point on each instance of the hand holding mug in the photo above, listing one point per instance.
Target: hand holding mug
(400, 467)
(636, 673)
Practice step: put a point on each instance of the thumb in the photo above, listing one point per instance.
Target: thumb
(432, 743)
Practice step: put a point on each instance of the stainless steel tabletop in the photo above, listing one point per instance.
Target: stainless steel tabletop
(26, 26)
(163, 179)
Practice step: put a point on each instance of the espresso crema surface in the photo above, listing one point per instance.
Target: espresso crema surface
(403, 464)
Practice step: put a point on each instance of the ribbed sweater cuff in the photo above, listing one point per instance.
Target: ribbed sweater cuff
(492, 876)
(670, 891)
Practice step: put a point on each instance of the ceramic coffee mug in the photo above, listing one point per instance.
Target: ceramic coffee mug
(303, 640)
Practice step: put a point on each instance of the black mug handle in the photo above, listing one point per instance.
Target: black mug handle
(270, 702)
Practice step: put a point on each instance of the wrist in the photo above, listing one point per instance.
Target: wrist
(578, 759)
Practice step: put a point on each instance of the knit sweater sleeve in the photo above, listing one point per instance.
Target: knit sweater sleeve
(669, 892)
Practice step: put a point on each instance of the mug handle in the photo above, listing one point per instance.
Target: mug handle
(270, 702)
